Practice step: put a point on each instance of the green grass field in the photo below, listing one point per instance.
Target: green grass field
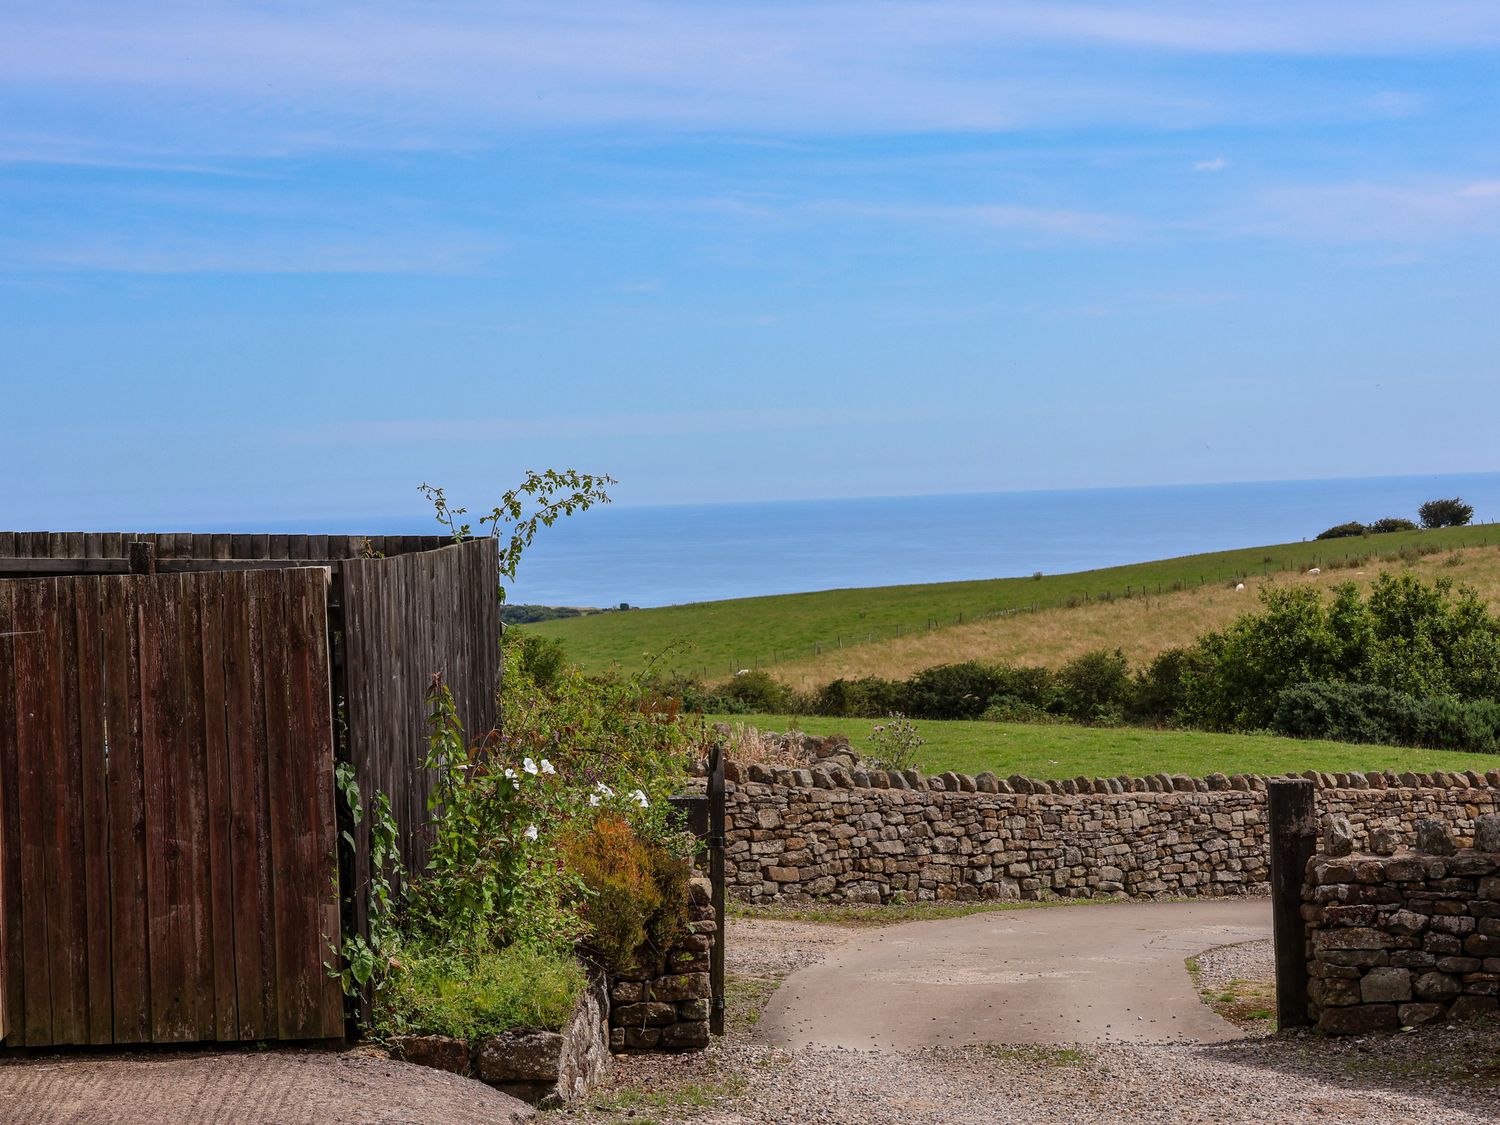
(715, 639)
(1062, 751)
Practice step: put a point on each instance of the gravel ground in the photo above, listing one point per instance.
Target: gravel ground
(208, 1088)
(1448, 1074)
(1249, 960)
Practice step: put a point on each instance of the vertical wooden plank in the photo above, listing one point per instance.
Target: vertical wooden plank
(275, 643)
(12, 984)
(34, 820)
(212, 606)
(1291, 813)
(91, 709)
(189, 769)
(162, 735)
(130, 984)
(67, 911)
(249, 855)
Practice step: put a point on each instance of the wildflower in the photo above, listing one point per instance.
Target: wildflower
(639, 797)
(594, 800)
(510, 774)
(547, 766)
(530, 832)
(604, 790)
(529, 766)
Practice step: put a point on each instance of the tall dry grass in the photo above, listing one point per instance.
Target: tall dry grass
(1141, 627)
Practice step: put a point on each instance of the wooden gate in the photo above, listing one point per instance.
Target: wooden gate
(168, 850)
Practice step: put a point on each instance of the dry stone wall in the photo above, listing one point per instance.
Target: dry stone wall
(855, 835)
(1405, 939)
(669, 1010)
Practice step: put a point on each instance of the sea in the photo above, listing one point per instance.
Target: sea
(673, 554)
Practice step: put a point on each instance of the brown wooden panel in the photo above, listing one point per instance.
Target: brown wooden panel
(35, 815)
(90, 707)
(161, 738)
(130, 984)
(189, 769)
(213, 606)
(11, 995)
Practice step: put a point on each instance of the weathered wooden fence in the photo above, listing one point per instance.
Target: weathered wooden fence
(404, 621)
(168, 838)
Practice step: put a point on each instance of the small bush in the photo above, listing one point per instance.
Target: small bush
(636, 908)
(1390, 524)
(869, 697)
(1159, 691)
(1343, 530)
(1445, 513)
(467, 996)
(757, 692)
(1009, 709)
(542, 660)
(1094, 687)
(954, 691)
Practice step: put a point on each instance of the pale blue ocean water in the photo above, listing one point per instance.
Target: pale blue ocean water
(651, 556)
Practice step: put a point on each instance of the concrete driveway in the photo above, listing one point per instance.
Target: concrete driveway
(1067, 974)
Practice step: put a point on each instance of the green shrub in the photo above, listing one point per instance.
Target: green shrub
(1031, 685)
(757, 692)
(1347, 712)
(1010, 709)
(954, 691)
(1158, 691)
(541, 658)
(1391, 523)
(1094, 687)
(869, 697)
(442, 992)
(636, 907)
(1343, 530)
(1445, 513)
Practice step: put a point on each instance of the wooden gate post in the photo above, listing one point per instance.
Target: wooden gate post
(1294, 838)
(142, 558)
(716, 845)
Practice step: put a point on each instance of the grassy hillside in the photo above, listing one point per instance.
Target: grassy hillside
(1063, 751)
(1141, 627)
(714, 639)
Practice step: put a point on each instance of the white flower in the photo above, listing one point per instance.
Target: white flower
(529, 766)
(639, 797)
(604, 790)
(594, 800)
(547, 766)
(530, 832)
(510, 773)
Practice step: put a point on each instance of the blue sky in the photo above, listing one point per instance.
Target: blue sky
(264, 260)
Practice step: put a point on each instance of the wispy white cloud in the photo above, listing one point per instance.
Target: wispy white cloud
(410, 74)
(1217, 164)
(1374, 212)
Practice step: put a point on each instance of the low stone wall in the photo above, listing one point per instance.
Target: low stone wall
(1405, 939)
(669, 1011)
(547, 1068)
(858, 835)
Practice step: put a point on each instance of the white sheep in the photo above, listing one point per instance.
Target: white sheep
(1316, 570)
(1239, 587)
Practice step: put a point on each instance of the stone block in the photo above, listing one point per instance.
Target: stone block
(1361, 1019)
(441, 1052)
(1415, 1015)
(1385, 986)
(1473, 1007)
(1434, 837)
(1436, 986)
(518, 1056)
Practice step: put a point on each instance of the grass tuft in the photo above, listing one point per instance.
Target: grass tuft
(470, 996)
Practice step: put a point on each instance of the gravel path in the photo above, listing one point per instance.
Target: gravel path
(1248, 960)
(209, 1088)
(1451, 1074)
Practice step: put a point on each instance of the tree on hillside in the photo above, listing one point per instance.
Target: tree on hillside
(1445, 513)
